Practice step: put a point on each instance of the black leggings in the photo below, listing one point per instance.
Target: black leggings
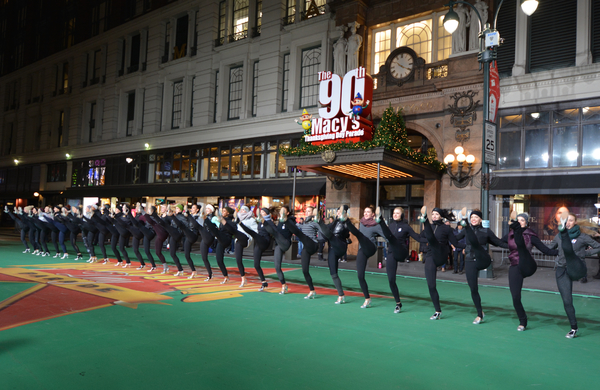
(337, 249)
(187, 249)
(366, 250)
(54, 239)
(161, 237)
(283, 244)
(101, 237)
(398, 252)
(241, 243)
(430, 275)
(310, 248)
(173, 246)
(61, 241)
(24, 239)
(190, 238)
(565, 287)
(261, 244)
(148, 236)
(74, 242)
(34, 238)
(42, 239)
(472, 270)
(391, 266)
(224, 241)
(114, 241)
(135, 244)
(124, 240)
(515, 282)
(90, 243)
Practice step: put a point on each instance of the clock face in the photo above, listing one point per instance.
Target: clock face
(402, 65)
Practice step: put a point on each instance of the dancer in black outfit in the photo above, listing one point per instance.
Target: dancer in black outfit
(283, 240)
(142, 222)
(54, 230)
(262, 242)
(222, 235)
(337, 235)
(103, 231)
(136, 234)
(21, 225)
(89, 226)
(69, 219)
(44, 229)
(307, 235)
(33, 229)
(196, 219)
(437, 239)
(477, 255)
(115, 236)
(62, 231)
(161, 235)
(570, 263)
(242, 239)
(367, 236)
(521, 240)
(175, 235)
(191, 236)
(397, 234)
(119, 220)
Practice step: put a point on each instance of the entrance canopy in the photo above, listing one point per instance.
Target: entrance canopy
(361, 165)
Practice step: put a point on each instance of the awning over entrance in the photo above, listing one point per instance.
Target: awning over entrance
(361, 165)
(565, 184)
(270, 187)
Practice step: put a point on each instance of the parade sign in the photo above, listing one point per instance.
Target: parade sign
(345, 107)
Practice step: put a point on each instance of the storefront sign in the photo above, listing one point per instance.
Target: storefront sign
(346, 105)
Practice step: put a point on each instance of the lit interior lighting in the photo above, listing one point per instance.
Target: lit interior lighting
(572, 155)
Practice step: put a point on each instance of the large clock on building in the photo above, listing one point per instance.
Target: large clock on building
(400, 65)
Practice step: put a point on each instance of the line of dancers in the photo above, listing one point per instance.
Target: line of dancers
(178, 225)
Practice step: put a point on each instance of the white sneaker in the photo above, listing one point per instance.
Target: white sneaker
(436, 316)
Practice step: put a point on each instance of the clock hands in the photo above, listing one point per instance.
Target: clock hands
(400, 65)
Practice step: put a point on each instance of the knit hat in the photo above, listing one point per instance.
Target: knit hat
(210, 207)
(180, 207)
(266, 210)
(229, 210)
(245, 209)
(477, 213)
(525, 216)
(437, 210)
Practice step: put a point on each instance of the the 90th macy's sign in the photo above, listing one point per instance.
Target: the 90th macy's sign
(345, 108)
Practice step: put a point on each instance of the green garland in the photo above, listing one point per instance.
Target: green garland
(390, 134)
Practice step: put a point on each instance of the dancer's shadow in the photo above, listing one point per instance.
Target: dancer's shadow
(8, 345)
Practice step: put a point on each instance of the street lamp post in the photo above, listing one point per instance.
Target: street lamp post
(489, 39)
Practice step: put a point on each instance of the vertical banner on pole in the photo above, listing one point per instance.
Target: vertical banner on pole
(494, 92)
